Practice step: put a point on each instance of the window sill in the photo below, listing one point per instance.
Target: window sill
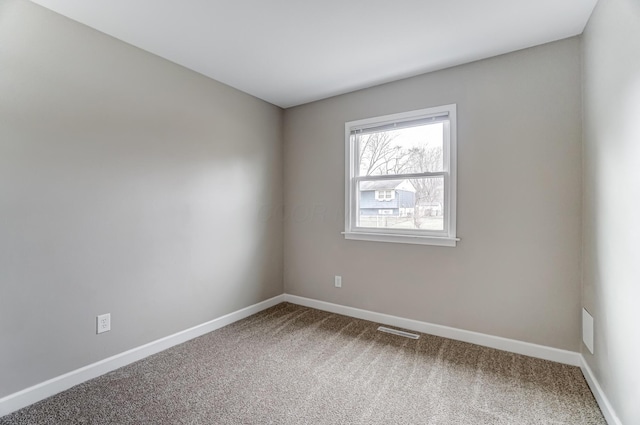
(410, 239)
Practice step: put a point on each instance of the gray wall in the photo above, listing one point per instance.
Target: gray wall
(133, 186)
(612, 200)
(128, 185)
(516, 272)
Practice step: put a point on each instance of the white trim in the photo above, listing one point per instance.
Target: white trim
(446, 237)
(598, 393)
(38, 392)
(434, 113)
(412, 239)
(511, 345)
(452, 190)
(58, 384)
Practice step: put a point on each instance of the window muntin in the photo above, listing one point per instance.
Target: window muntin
(411, 158)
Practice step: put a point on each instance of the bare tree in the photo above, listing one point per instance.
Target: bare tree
(378, 155)
(398, 160)
(428, 190)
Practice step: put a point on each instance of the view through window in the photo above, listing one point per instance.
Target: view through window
(400, 174)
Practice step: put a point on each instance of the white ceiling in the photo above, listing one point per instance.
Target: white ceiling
(290, 52)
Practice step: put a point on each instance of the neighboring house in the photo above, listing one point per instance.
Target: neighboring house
(396, 198)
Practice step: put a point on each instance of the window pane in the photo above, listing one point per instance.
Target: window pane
(416, 204)
(429, 207)
(416, 149)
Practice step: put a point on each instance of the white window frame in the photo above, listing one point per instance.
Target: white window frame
(446, 237)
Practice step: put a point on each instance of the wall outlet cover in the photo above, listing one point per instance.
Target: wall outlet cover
(103, 323)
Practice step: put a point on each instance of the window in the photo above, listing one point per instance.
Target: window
(385, 195)
(401, 177)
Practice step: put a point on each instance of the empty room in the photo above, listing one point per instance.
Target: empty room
(331, 212)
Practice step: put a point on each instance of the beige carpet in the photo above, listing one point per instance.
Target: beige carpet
(295, 365)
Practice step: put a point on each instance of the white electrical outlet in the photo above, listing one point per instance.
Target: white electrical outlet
(103, 323)
(338, 281)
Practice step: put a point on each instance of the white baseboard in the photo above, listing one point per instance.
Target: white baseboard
(53, 386)
(511, 345)
(505, 344)
(601, 398)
